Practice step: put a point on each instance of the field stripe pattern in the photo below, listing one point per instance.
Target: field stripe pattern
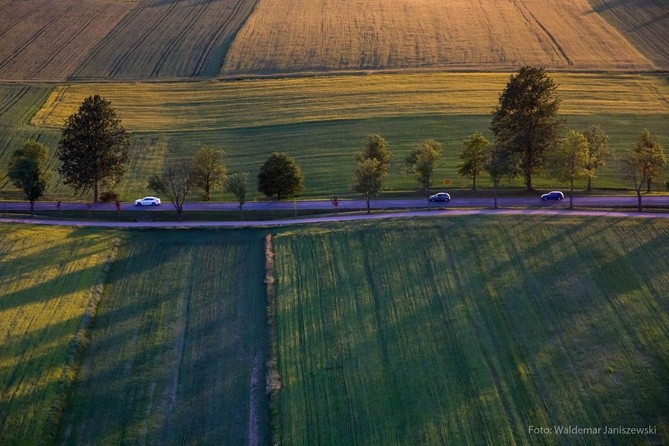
(467, 331)
(47, 277)
(291, 36)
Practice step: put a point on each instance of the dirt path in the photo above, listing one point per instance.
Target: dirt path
(325, 219)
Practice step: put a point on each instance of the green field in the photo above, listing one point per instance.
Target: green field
(323, 121)
(178, 350)
(469, 330)
(47, 276)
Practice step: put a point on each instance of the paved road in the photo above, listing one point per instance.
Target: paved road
(336, 218)
(598, 201)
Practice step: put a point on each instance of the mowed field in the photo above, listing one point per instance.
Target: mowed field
(178, 349)
(93, 39)
(323, 121)
(479, 329)
(291, 36)
(47, 279)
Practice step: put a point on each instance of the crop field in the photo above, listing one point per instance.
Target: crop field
(179, 345)
(47, 276)
(101, 39)
(644, 22)
(479, 329)
(49, 39)
(323, 121)
(292, 36)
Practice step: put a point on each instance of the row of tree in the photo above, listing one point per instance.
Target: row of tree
(94, 152)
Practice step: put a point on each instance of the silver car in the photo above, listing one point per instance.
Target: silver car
(147, 201)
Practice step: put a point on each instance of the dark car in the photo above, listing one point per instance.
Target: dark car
(553, 195)
(441, 196)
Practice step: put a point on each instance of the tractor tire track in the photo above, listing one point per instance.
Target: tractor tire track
(556, 46)
(22, 18)
(212, 42)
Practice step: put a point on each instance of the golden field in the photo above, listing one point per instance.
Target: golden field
(283, 36)
(214, 105)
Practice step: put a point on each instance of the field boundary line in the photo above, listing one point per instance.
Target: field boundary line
(273, 379)
(78, 346)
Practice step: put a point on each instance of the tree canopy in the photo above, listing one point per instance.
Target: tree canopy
(237, 183)
(280, 177)
(27, 171)
(175, 182)
(93, 147)
(474, 156)
(569, 161)
(377, 148)
(598, 151)
(368, 179)
(422, 161)
(209, 172)
(646, 160)
(526, 119)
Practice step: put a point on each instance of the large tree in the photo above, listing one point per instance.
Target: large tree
(93, 147)
(377, 148)
(569, 161)
(280, 177)
(209, 170)
(422, 160)
(175, 182)
(526, 119)
(645, 160)
(27, 170)
(237, 183)
(598, 151)
(474, 156)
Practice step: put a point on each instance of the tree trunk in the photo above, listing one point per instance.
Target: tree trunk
(32, 207)
(648, 183)
(180, 211)
(638, 196)
(473, 182)
(589, 184)
(206, 193)
(367, 197)
(495, 186)
(528, 182)
(571, 194)
(95, 192)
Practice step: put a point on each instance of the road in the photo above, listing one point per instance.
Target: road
(603, 201)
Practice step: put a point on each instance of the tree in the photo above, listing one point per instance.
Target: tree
(237, 183)
(526, 121)
(368, 179)
(208, 170)
(175, 182)
(501, 164)
(93, 147)
(598, 151)
(570, 160)
(377, 148)
(646, 160)
(475, 154)
(26, 170)
(422, 160)
(280, 176)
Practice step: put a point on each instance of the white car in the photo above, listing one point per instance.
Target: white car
(147, 201)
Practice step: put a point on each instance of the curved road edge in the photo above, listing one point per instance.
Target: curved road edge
(327, 219)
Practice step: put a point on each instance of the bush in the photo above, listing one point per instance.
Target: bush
(109, 197)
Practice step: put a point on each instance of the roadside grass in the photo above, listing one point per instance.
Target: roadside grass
(469, 330)
(180, 337)
(47, 276)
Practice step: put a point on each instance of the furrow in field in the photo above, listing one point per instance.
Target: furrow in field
(20, 12)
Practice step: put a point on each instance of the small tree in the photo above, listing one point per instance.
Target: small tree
(368, 179)
(422, 160)
(175, 182)
(646, 160)
(280, 176)
(475, 155)
(500, 164)
(598, 151)
(209, 170)
(93, 147)
(377, 148)
(237, 183)
(27, 172)
(569, 161)
(526, 119)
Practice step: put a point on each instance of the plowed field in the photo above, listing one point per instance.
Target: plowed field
(284, 36)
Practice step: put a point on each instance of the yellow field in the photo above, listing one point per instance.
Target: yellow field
(48, 40)
(47, 277)
(215, 105)
(320, 35)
